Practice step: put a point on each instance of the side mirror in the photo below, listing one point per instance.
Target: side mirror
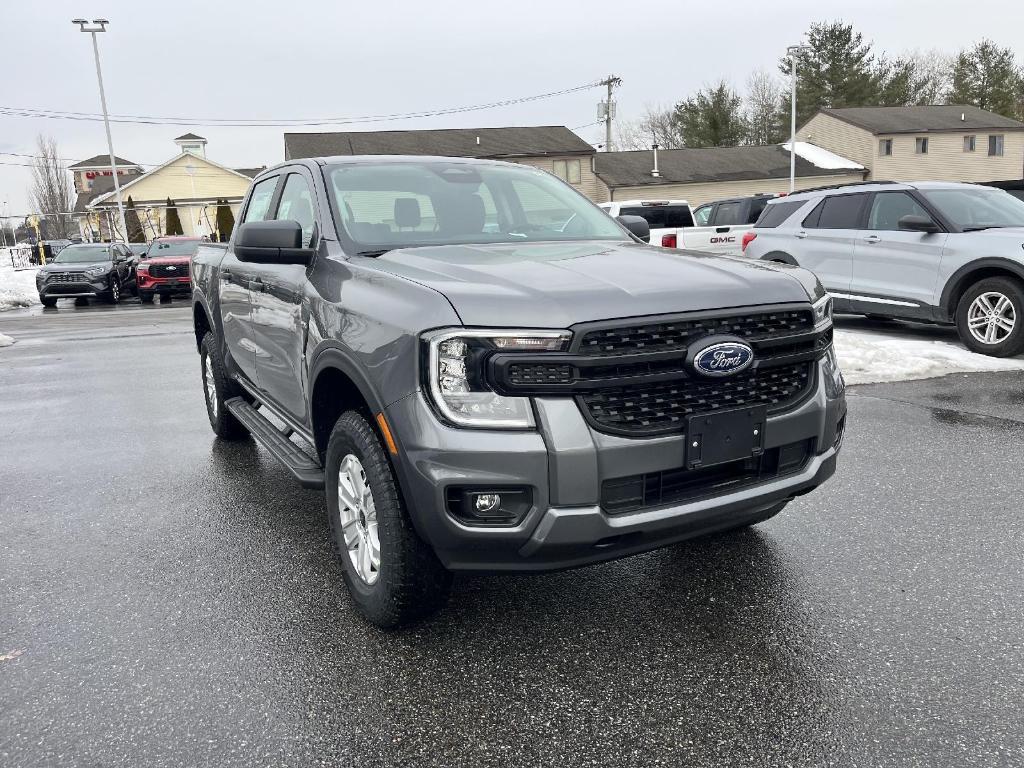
(637, 225)
(272, 242)
(918, 224)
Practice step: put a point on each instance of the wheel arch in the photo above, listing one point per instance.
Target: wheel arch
(201, 323)
(969, 274)
(781, 256)
(338, 384)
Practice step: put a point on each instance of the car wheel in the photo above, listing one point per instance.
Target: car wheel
(990, 317)
(48, 301)
(218, 387)
(81, 301)
(394, 578)
(145, 297)
(165, 298)
(114, 292)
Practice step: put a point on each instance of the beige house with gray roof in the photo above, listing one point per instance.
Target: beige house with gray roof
(934, 143)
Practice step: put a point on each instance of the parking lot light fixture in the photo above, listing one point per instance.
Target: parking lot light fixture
(100, 25)
(794, 52)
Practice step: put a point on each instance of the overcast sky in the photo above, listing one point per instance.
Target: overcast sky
(307, 59)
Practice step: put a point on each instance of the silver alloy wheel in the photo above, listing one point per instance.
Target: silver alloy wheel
(211, 385)
(358, 516)
(115, 290)
(991, 318)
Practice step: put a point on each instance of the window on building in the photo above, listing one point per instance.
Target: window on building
(995, 146)
(568, 170)
(885, 147)
(921, 145)
(969, 143)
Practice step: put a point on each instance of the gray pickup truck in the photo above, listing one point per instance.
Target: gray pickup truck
(484, 371)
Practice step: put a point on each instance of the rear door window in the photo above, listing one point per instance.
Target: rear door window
(728, 214)
(662, 216)
(757, 205)
(841, 212)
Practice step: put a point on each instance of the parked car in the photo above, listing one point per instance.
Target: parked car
(164, 271)
(726, 224)
(934, 251)
(84, 270)
(485, 372)
(664, 217)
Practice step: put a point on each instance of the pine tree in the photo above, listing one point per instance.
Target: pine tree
(712, 118)
(225, 220)
(172, 224)
(136, 234)
(987, 76)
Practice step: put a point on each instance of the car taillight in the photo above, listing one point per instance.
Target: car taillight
(748, 238)
(668, 241)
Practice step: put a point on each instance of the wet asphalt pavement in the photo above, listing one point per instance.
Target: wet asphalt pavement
(169, 600)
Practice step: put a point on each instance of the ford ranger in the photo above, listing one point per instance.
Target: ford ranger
(484, 371)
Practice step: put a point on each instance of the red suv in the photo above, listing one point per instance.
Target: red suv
(164, 270)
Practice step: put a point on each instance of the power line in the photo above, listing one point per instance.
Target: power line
(283, 122)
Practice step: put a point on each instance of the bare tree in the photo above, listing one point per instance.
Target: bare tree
(657, 125)
(764, 109)
(934, 71)
(51, 191)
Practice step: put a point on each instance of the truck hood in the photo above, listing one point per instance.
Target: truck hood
(555, 285)
(167, 260)
(999, 234)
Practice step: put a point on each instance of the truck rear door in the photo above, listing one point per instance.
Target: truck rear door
(724, 232)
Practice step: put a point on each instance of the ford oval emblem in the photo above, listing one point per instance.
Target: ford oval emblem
(723, 359)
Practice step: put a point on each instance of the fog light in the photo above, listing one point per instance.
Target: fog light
(487, 502)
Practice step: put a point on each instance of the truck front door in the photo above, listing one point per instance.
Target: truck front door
(233, 287)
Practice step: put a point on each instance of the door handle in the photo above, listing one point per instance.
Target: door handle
(256, 286)
(872, 239)
(800, 235)
(721, 229)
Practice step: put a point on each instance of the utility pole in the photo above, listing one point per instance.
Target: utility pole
(794, 52)
(100, 25)
(608, 110)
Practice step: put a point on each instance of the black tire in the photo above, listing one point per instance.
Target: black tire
(146, 297)
(48, 301)
(224, 425)
(1013, 291)
(410, 581)
(113, 295)
(165, 298)
(81, 301)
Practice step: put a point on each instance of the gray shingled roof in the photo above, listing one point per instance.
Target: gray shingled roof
(926, 119)
(690, 166)
(252, 173)
(189, 137)
(100, 186)
(100, 161)
(529, 141)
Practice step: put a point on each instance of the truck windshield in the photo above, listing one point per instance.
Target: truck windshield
(382, 206)
(172, 248)
(82, 254)
(975, 209)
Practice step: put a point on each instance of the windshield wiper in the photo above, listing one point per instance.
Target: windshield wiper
(372, 254)
(983, 227)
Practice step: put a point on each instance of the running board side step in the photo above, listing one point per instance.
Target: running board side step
(303, 467)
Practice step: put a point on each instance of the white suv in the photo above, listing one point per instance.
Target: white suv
(941, 252)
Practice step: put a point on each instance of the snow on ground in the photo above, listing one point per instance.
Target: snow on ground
(17, 287)
(5, 341)
(866, 357)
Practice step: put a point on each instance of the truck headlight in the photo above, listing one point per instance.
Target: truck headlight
(823, 311)
(455, 374)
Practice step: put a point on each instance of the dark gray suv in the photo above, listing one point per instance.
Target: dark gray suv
(96, 270)
(484, 371)
(942, 252)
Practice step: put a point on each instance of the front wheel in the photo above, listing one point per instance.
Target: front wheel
(217, 388)
(990, 317)
(146, 297)
(48, 301)
(114, 292)
(394, 578)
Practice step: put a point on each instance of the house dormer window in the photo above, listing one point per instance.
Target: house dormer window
(195, 149)
(921, 145)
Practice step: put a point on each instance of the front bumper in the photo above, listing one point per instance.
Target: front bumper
(66, 290)
(565, 462)
(164, 285)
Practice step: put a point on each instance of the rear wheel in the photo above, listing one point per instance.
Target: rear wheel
(990, 317)
(394, 578)
(48, 301)
(217, 388)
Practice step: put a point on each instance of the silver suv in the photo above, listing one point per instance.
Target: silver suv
(934, 251)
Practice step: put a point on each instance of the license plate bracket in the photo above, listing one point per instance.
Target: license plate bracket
(718, 438)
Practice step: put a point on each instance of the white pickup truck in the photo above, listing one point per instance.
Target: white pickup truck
(717, 227)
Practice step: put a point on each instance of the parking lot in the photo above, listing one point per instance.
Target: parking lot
(166, 599)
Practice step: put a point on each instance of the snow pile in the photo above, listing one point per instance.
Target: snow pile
(822, 158)
(17, 286)
(867, 358)
(5, 341)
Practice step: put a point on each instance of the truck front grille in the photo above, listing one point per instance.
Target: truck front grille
(67, 277)
(169, 270)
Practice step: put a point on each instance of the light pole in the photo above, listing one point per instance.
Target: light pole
(793, 52)
(100, 25)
